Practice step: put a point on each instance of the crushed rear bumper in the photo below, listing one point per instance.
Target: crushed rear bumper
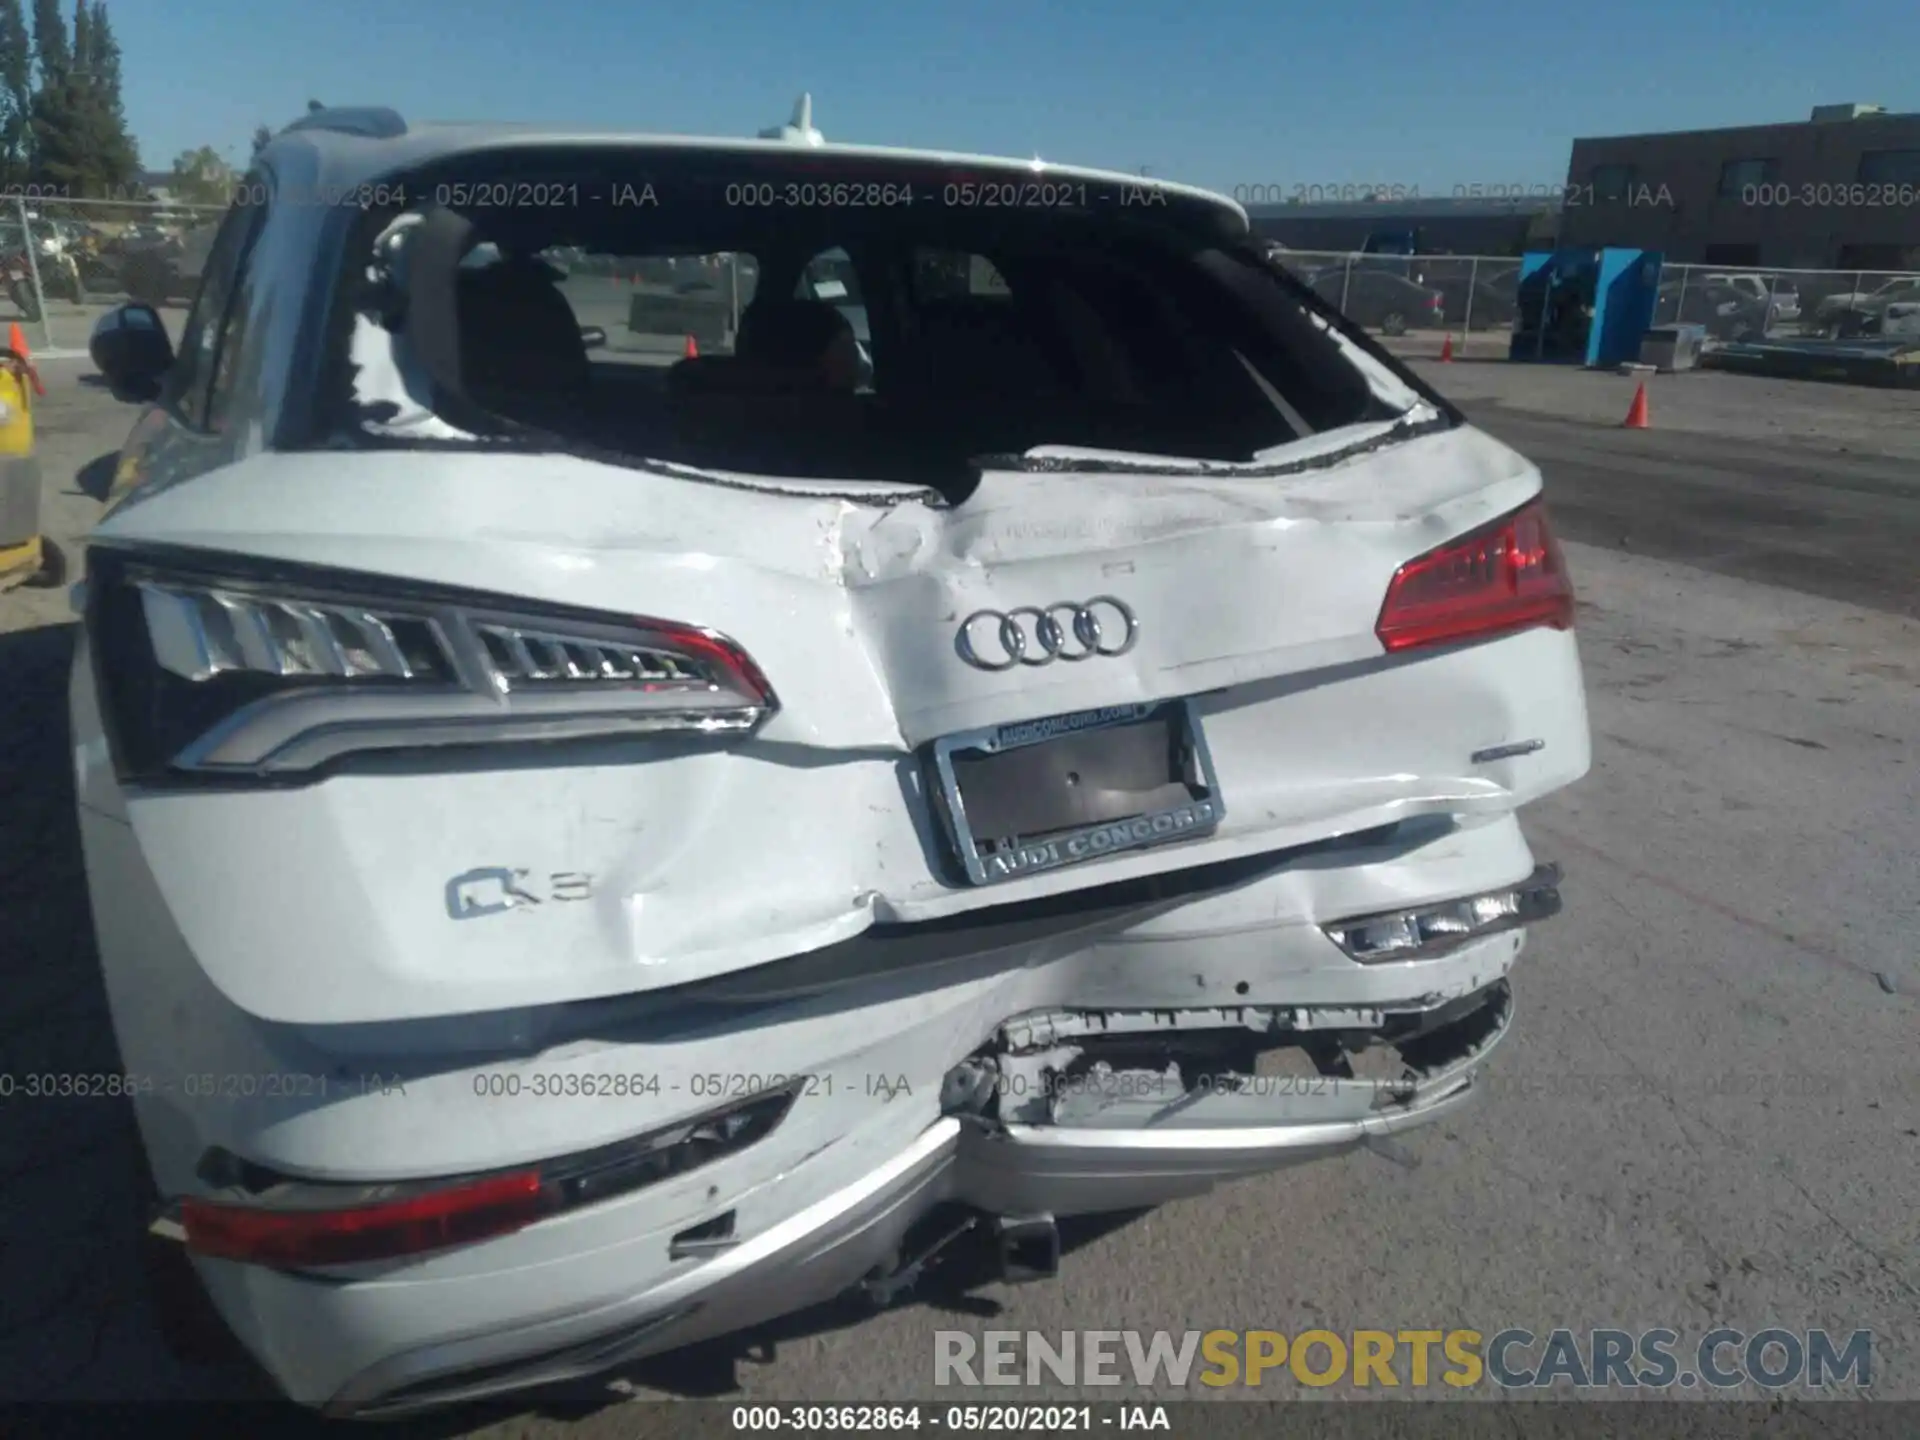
(1139, 1150)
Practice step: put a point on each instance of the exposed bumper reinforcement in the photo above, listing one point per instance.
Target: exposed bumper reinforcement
(1141, 1150)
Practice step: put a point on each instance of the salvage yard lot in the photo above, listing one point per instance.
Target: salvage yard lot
(1709, 1112)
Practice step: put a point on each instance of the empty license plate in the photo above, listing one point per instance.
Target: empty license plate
(1039, 794)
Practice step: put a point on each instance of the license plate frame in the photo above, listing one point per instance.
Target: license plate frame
(1064, 849)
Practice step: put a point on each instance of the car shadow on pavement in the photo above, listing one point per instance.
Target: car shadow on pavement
(97, 1315)
(95, 478)
(84, 1283)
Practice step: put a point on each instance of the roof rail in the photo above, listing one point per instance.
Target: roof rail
(370, 122)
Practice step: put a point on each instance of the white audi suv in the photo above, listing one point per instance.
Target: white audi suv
(589, 855)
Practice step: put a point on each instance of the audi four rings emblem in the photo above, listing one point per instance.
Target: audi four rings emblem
(1040, 635)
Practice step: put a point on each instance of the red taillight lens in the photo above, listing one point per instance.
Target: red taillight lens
(459, 1215)
(1507, 576)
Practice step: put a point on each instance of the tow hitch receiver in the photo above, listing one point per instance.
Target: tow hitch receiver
(939, 1234)
(1029, 1247)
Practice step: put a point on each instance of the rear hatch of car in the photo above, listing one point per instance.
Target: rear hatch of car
(678, 718)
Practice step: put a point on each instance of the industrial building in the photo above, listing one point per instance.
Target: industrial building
(1441, 226)
(1840, 190)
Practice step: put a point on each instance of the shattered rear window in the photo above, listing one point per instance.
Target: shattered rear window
(892, 335)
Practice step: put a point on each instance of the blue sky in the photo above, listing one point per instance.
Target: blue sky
(1215, 92)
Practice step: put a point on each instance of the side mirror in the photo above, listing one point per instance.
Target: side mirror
(593, 337)
(131, 349)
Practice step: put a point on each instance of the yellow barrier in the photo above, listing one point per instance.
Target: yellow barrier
(26, 556)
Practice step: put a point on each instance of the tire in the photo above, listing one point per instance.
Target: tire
(24, 301)
(1394, 324)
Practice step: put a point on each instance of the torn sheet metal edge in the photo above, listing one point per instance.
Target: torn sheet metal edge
(1043, 1029)
(1266, 1100)
(1421, 419)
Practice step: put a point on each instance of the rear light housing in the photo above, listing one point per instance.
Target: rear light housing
(298, 1236)
(1426, 932)
(215, 669)
(1503, 577)
(292, 1224)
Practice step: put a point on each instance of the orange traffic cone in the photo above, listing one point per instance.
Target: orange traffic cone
(693, 348)
(1637, 412)
(1446, 350)
(17, 342)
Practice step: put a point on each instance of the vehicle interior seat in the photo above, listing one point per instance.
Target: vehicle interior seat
(978, 376)
(769, 405)
(521, 351)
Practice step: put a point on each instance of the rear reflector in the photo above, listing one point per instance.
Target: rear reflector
(1430, 931)
(298, 1224)
(458, 1216)
(1506, 576)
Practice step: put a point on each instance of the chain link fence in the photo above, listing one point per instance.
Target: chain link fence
(1465, 294)
(66, 262)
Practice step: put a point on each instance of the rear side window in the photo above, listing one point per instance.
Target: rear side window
(830, 276)
(644, 310)
(197, 371)
(956, 275)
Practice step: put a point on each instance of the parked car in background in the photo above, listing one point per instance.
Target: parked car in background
(1868, 298)
(1901, 320)
(1484, 298)
(1843, 316)
(1780, 296)
(166, 268)
(1730, 313)
(1380, 299)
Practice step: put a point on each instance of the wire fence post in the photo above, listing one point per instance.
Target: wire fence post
(1680, 305)
(733, 297)
(1346, 280)
(33, 272)
(1473, 279)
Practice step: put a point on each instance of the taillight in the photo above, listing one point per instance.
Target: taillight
(487, 1208)
(1506, 576)
(213, 672)
(299, 1224)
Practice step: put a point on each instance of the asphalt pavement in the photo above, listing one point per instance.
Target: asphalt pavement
(1709, 1112)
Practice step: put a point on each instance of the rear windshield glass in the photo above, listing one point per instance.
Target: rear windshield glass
(873, 324)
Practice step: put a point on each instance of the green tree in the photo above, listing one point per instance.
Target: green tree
(16, 94)
(104, 57)
(201, 177)
(59, 153)
(79, 140)
(50, 43)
